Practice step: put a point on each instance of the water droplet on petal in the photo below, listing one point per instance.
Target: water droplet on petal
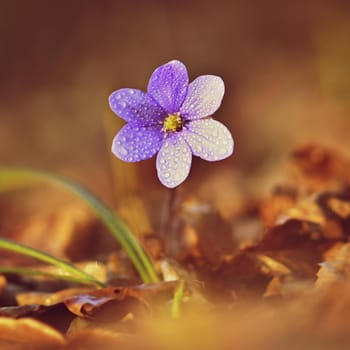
(198, 148)
(122, 150)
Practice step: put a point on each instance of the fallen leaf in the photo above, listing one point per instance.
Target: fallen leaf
(277, 204)
(321, 168)
(336, 268)
(193, 234)
(27, 333)
(97, 338)
(48, 299)
(116, 302)
(113, 303)
(3, 282)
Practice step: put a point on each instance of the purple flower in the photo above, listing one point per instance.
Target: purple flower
(172, 118)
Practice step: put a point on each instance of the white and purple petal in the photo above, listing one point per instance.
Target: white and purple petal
(134, 143)
(136, 106)
(208, 139)
(168, 85)
(204, 97)
(174, 161)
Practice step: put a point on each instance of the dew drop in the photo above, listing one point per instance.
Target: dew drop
(122, 151)
(198, 148)
(222, 150)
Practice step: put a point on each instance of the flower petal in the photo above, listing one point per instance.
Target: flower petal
(168, 85)
(134, 143)
(174, 161)
(136, 106)
(203, 98)
(208, 139)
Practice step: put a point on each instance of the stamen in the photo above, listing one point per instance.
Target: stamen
(173, 123)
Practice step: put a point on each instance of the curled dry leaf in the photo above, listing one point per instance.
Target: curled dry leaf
(120, 300)
(107, 303)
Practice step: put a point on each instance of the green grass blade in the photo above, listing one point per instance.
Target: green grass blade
(11, 178)
(49, 259)
(175, 308)
(34, 272)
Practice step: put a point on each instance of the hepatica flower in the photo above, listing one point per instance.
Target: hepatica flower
(173, 119)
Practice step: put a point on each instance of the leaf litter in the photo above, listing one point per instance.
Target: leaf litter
(278, 269)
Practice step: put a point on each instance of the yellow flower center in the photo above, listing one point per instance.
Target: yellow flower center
(172, 123)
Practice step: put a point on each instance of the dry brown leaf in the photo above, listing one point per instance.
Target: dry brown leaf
(88, 303)
(274, 287)
(298, 245)
(321, 168)
(27, 333)
(340, 206)
(336, 268)
(3, 282)
(48, 299)
(97, 338)
(291, 234)
(108, 303)
(273, 266)
(336, 208)
(306, 210)
(23, 310)
(330, 210)
(280, 201)
(198, 232)
(242, 275)
(117, 302)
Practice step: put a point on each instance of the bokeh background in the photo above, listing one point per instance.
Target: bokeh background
(285, 65)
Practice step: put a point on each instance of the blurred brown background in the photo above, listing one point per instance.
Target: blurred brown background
(285, 65)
